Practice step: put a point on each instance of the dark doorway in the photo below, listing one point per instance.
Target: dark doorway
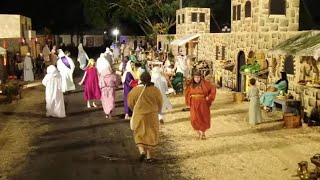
(135, 44)
(240, 81)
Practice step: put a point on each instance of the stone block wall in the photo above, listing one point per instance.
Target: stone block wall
(186, 26)
(282, 23)
(261, 20)
(10, 26)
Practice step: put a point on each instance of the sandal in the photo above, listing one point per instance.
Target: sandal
(151, 160)
(142, 157)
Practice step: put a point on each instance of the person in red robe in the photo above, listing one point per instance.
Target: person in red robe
(199, 96)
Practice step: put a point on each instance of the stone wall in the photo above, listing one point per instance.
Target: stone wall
(10, 26)
(186, 26)
(261, 20)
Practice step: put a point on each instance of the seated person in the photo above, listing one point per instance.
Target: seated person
(267, 98)
(177, 82)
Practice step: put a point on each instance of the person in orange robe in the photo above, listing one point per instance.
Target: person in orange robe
(199, 96)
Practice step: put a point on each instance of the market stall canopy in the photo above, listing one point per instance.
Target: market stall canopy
(3, 50)
(304, 44)
(183, 40)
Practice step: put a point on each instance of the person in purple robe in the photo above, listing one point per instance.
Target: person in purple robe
(127, 78)
(91, 84)
(108, 82)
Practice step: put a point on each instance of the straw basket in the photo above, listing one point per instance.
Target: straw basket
(261, 60)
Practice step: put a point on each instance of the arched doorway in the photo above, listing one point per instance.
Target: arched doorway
(240, 81)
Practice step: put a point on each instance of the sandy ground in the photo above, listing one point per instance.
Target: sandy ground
(233, 149)
(87, 146)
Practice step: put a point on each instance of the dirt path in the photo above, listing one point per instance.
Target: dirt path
(234, 150)
(82, 146)
(85, 145)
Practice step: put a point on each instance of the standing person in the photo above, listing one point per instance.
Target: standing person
(102, 63)
(19, 65)
(66, 67)
(28, 68)
(91, 84)
(40, 65)
(146, 102)
(161, 83)
(254, 105)
(82, 57)
(53, 56)
(109, 56)
(46, 56)
(108, 83)
(127, 79)
(54, 96)
(199, 96)
(116, 53)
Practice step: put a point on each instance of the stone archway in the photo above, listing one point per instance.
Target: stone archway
(240, 62)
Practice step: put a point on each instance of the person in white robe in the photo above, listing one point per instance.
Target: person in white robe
(181, 65)
(66, 67)
(28, 68)
(46, 54)
(116, 53)
(161, 83)
(109, 56)
(102, 63)
(54, 96)
(82, 57)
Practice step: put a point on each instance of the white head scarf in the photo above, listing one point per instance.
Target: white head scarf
(52, 70)
(28, 54)
(80, 47)
(108, 50)
(102, 63)
(61, 53)
(128, 69)
(156, 72)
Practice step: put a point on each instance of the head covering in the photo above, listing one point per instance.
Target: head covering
(52, 70)
(145, 79)
(102, 55)
(80, 48)
(91, 62)
(128, 69)
(156, 72)
(28, 54)
(61, 53)
(107, 50)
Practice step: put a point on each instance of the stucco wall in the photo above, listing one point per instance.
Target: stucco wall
(10, 26)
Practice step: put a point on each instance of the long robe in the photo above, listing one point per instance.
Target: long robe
(82, 57)
(108, 83)
(254, 106)
(161, 83)
(28, 69)
(91, 85)
(267, 98)
(199, 106)
(46, 54)
(66, 74)
(54, 96)
(145, 120)
(126, 89)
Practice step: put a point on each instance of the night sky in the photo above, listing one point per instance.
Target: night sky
(65, 16)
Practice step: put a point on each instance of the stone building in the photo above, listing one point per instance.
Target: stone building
(257, 27)
(16, 33)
